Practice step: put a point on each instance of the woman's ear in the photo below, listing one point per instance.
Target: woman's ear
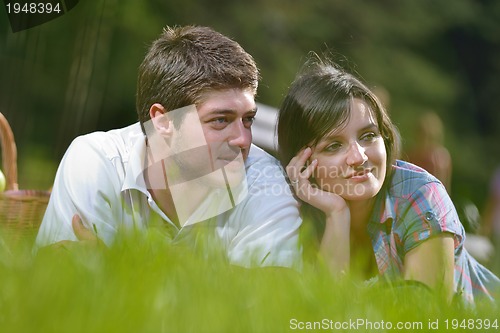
(160, 119)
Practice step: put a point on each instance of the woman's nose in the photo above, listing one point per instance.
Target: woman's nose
(356, 155)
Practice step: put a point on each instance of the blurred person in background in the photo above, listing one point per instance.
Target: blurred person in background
(382, 216)
(478, 245)
(429, 151)
(187, 164)
(491, 223)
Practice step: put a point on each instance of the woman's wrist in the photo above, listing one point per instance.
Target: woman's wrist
(335, 243)
(339, 216)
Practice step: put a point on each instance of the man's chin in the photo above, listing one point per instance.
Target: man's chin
(231, 165)
(235, 177)
(224, 179)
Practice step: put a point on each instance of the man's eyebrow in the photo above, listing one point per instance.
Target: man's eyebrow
(226, 111)
(254, 110)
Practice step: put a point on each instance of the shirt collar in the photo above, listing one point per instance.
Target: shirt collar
(216, 202)
(385, 208)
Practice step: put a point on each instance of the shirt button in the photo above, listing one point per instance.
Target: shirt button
(429, 216)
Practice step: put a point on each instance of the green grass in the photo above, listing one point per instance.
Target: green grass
(145, 284)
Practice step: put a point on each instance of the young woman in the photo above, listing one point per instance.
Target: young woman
(340, 148)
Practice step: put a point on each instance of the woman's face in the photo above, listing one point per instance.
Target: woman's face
(352, 160)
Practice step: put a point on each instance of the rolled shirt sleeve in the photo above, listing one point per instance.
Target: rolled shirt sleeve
(430, 212)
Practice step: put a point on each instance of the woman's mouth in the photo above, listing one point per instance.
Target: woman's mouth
(360, 176)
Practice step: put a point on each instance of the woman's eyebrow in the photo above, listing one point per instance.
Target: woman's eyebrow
(336, 135)
(371, 126)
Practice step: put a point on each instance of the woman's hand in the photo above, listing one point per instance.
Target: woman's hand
(299, 174)
(335, 243)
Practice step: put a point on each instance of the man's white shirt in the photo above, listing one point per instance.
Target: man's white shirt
(97, 179)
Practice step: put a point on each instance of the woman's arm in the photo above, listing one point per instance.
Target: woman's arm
(432, 263)
(335, 243)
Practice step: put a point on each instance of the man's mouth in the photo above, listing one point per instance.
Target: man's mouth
(231, 162)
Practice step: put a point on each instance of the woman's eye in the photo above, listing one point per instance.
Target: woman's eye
(370, 136)
(333, 146)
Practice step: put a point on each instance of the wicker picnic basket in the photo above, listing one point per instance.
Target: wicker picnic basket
(21, 211)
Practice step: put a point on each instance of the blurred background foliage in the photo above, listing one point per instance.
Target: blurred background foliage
(77, 73)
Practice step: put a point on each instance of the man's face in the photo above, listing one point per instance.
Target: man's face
(225, 118)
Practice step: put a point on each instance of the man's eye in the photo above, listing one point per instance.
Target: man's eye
(219, 123)
(219, 120)
(248, 121)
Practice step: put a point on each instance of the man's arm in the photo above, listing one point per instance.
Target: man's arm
(85, 239)
(84, 185)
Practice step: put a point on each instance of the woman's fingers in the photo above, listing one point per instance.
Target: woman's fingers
(297, 164)
(300, 173)
(309, 170)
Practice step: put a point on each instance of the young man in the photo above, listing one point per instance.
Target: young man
(188, 163)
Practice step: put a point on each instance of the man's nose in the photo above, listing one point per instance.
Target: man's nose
(356, 155)
(240, 135)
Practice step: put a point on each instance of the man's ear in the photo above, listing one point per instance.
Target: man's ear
(160, 119)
